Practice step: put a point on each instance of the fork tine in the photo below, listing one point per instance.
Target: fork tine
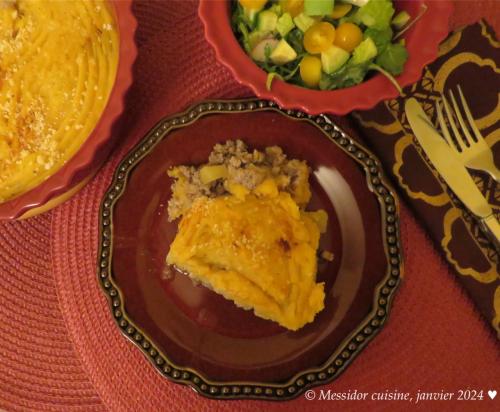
(466, 137)
(451, 121)
(468, 113)
(444, 129)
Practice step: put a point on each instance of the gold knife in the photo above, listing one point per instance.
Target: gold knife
(452, 170)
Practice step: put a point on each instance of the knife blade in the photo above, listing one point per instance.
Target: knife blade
(451, 169)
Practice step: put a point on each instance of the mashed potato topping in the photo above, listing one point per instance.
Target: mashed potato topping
(251, 240)
(58, 62)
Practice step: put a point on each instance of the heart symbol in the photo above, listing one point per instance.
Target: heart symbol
(492, 394)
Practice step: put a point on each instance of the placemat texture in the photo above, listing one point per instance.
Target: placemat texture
(67, 354)
(39, 368)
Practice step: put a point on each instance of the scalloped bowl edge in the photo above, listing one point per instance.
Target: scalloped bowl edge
(433, 26)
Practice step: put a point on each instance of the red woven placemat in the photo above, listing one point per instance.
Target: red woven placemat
(59, 347)
(39, 368)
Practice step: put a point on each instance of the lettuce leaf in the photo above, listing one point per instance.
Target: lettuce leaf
(296, 39)
(381, 38)
(349, 75)
(393, 58)
(376, 14)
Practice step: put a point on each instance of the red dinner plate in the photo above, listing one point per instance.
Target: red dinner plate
(195, 336)
(422, 42)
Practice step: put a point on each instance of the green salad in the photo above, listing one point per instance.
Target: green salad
(322, 44)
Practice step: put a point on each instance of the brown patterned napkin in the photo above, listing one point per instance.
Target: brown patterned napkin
(469, 57)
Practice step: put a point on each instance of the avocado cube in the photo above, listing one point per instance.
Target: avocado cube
(333, 59)
(401, 19)
(285, 24)
(283, 53)
(303, 22)
(267, 21)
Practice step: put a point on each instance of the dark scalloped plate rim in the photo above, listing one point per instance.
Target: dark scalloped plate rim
(352, 345)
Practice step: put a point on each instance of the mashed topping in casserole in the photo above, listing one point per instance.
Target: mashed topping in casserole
(58, 62)
(244, 232)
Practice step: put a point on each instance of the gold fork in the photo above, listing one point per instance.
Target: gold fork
(473, 152)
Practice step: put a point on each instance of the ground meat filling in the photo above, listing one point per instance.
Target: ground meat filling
(244, 167)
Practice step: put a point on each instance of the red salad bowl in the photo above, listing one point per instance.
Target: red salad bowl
(422, 42)
(84, 164)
